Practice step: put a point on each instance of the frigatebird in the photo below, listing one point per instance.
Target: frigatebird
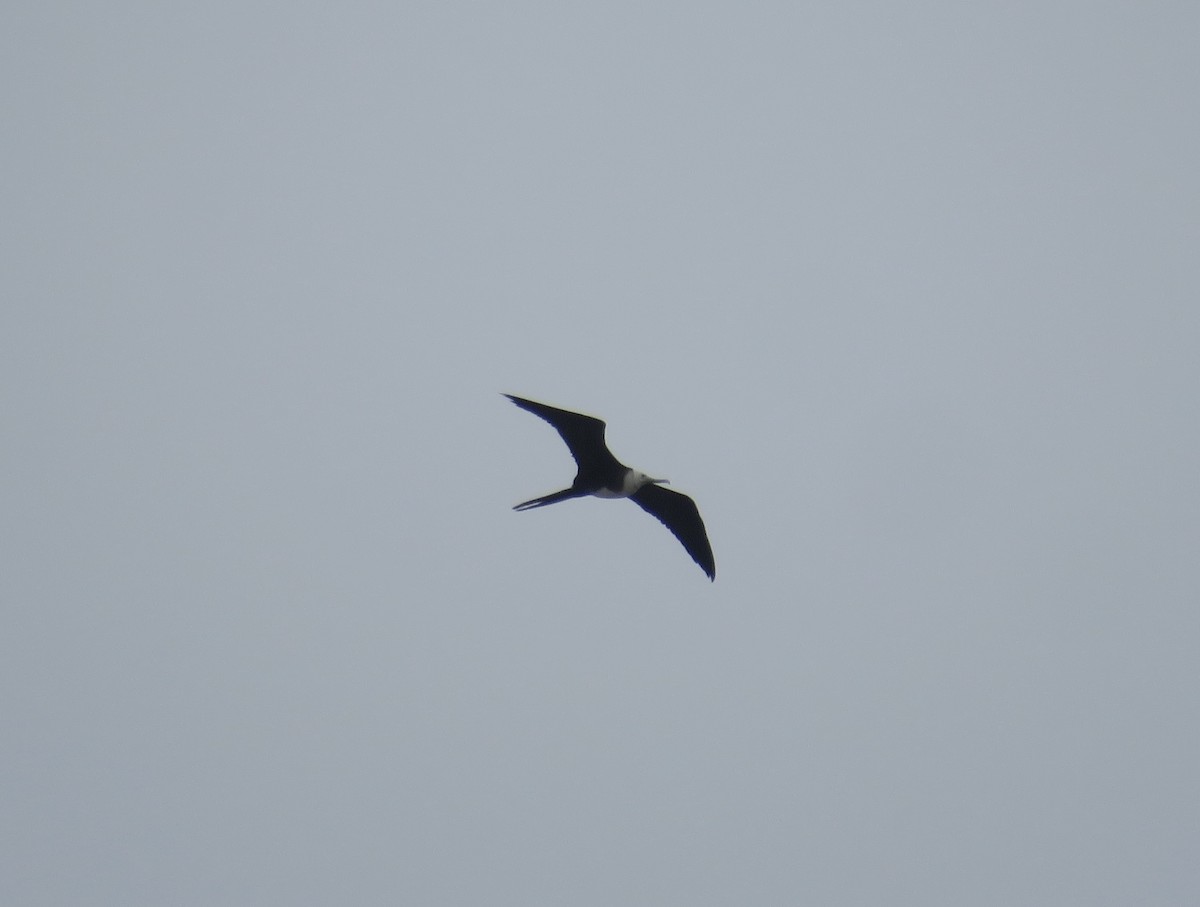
(600, 474)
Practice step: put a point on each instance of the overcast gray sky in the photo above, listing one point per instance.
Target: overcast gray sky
(906, 295)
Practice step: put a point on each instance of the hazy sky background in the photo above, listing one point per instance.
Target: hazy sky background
(906, 295)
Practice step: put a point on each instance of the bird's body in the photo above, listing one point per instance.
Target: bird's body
(630, 483)
(601, 475)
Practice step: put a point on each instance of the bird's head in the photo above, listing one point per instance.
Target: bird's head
(640, 478)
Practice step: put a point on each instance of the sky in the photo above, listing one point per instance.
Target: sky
(905, 295)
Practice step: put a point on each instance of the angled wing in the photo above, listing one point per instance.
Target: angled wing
(584, 435)
(679, 513)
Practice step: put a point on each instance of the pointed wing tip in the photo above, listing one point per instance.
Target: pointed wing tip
(681, 516)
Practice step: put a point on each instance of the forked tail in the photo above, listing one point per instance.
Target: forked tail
(563, 495)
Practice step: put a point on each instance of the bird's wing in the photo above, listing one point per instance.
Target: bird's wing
(679, 513)
(584, 435)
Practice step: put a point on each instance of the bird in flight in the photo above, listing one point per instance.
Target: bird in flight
(600, 474)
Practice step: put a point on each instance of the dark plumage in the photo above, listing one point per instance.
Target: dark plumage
(601, 474)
